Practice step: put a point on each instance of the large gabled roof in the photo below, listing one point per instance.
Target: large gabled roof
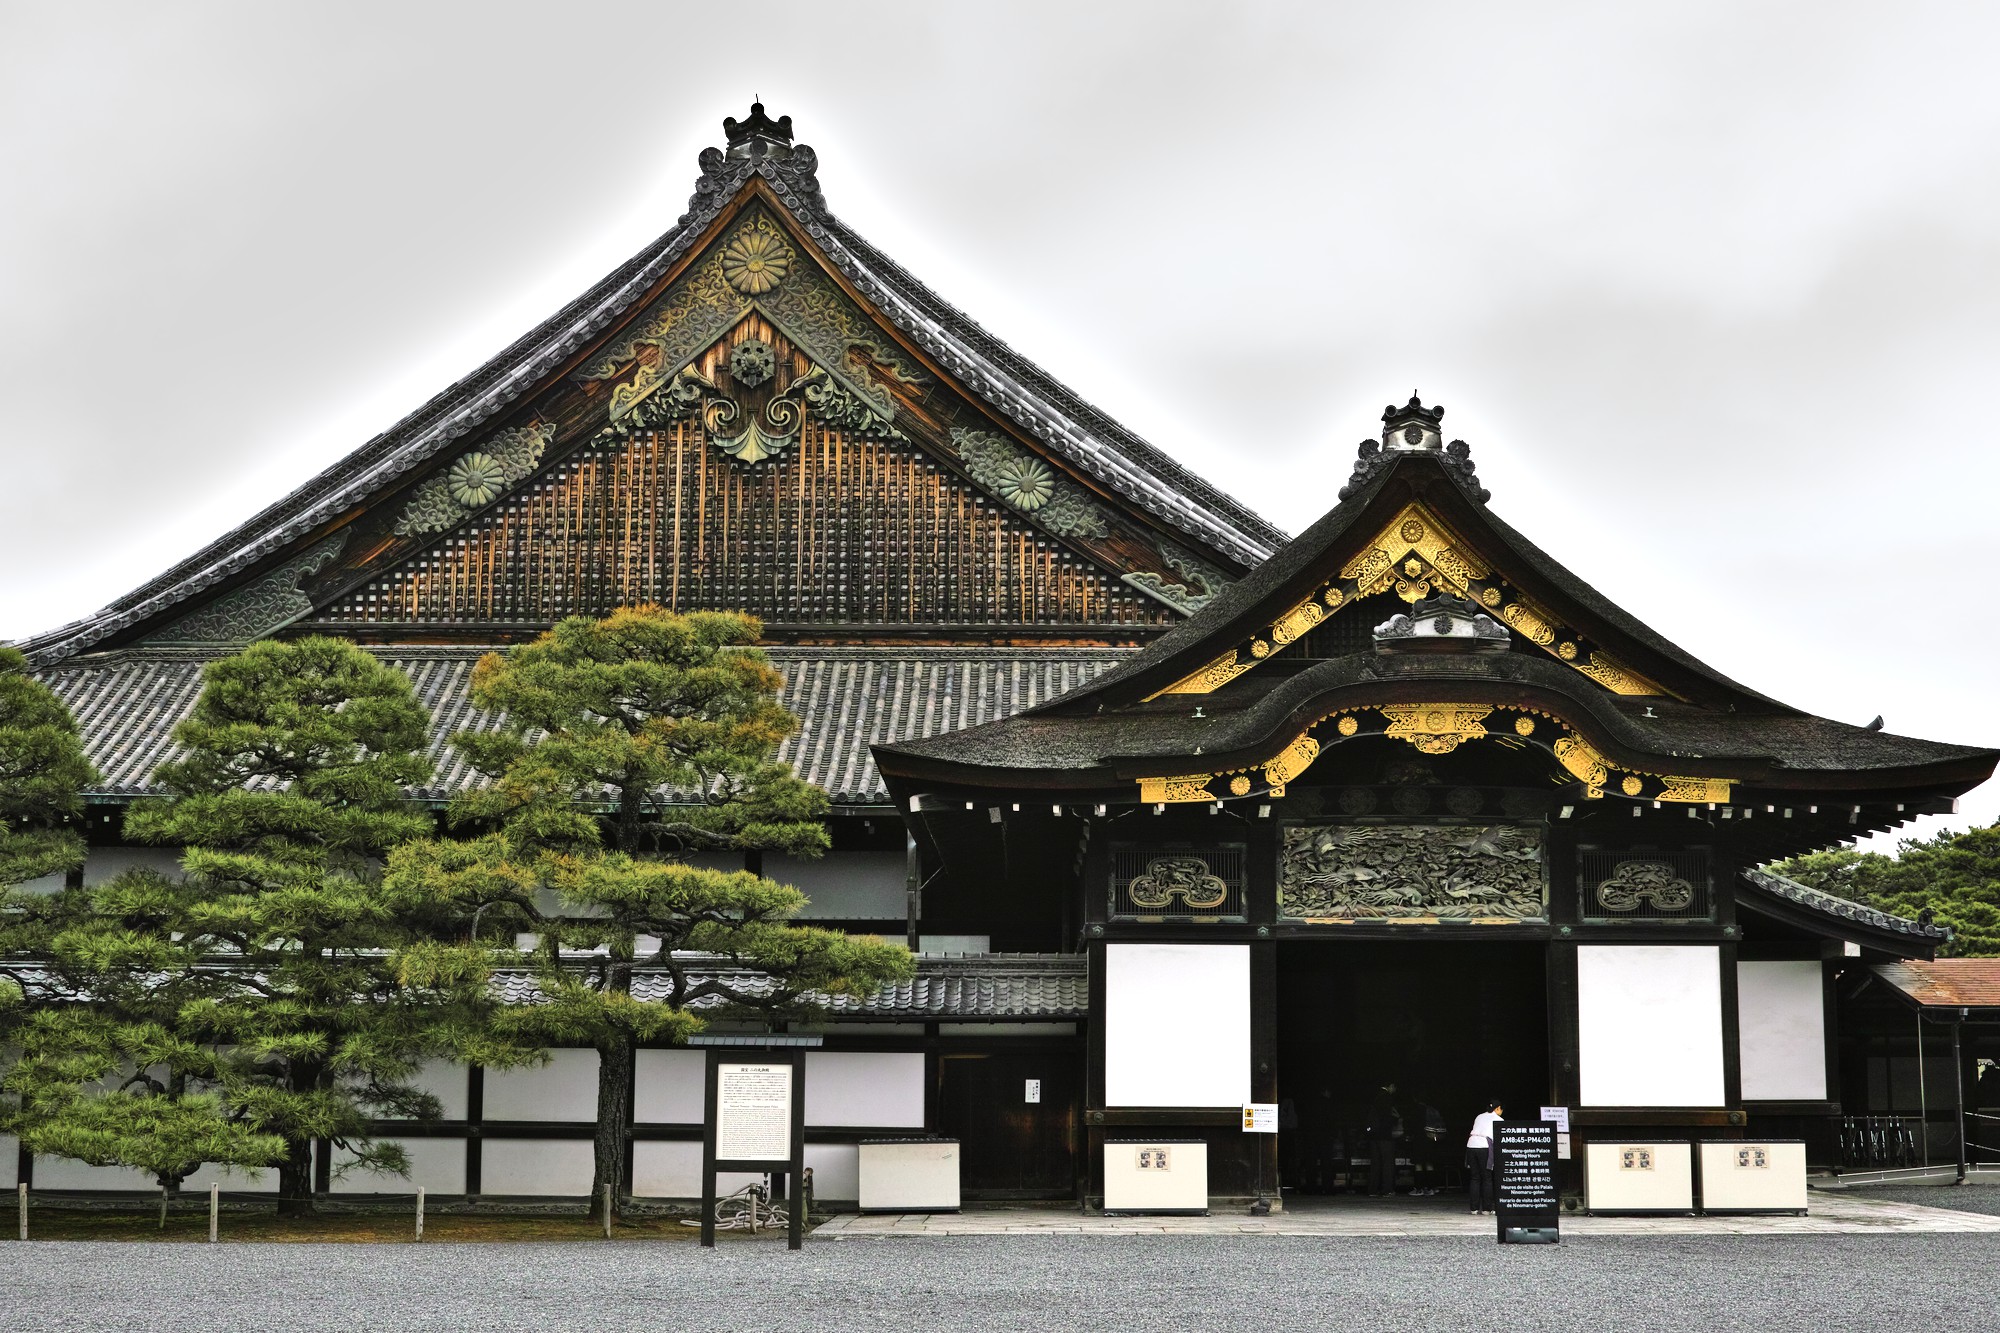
(1210, 698)
(760, 160)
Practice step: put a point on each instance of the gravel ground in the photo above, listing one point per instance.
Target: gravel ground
(1983, 1197)
(1044, 1284)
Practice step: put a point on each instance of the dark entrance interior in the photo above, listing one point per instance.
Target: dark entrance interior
(1450, 1023)
(1009, 1147)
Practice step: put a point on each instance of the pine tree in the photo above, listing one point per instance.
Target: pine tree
(320, 991)
(42, 775)
(630, 742)
(1953, 876)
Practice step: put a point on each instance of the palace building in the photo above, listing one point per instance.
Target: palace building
(1180, 814)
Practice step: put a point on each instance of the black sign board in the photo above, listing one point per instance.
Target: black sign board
(1528, 1206)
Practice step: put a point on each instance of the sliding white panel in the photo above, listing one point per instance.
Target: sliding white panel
(865, 1089)
(1781, 1022)
(1649, 1024)
(563, 1089)
(1177, 1025)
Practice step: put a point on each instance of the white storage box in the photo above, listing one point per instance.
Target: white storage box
(1639, 1177)
(1155, 1176)
(1745, 1177)
(909, 1175)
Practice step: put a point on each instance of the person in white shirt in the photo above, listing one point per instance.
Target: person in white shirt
(1479, 1158)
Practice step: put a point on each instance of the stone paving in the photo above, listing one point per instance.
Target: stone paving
(1830, 1213)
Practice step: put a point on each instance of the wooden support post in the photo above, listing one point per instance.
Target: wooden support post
(1958, 1091)
(24, 1210)
(607, 1212)
(420, 1212)
(214, 1210)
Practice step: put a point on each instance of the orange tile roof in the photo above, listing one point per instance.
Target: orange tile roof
(1949, 983)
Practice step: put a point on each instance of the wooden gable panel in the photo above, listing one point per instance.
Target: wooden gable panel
(849, 530)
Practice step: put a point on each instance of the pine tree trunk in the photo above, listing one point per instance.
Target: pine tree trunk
(295, 1185)
(295, 1180)
(614, 1097)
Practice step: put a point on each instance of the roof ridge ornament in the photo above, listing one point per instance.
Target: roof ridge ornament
(1414, 429)
(757, 146)
(757, 135)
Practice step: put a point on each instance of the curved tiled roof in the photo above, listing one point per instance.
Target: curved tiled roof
(127, 704)
(1840, 909)
(987, 367)
(996, 986)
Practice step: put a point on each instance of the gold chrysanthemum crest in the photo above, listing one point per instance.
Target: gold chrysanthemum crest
(755, 261)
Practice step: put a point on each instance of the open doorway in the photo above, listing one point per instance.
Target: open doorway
(1449, 1023)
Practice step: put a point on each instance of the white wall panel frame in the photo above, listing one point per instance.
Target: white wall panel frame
(1649, 1025)
(1781, 1021)
(1177, 1025)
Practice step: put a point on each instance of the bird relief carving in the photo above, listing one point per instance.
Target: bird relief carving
(1354, 872)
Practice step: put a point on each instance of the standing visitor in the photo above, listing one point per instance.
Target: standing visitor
(1479, 1159)
(1385, 1126)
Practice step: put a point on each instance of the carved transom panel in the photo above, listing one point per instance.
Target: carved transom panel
(1178, 880)
(1411, 872)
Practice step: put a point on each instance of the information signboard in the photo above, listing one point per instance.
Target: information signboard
(755, 1112)
(1260, 1118)
(1528, 1205)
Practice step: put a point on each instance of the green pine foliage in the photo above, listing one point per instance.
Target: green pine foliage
(42, 774)
(276, 993)
(1954, 876)
(628, 744)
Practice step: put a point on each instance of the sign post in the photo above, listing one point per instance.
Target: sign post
(1260, 1118)
(1527, 1208)
(756, 1103)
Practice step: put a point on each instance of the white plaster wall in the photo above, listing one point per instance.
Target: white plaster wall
(1649, 1024)
(865, 1088)
(856, 885)
(449, 1082)
(436, 1164)
(667, 1087)
(836, 1169)
(62, 1173)
(535, 1166)
(10, 1161)
(672, 1170)
(1781, 1023)
(563, 1089)
(1177, 1025)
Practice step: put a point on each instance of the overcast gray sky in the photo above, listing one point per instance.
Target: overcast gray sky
(1712, 289)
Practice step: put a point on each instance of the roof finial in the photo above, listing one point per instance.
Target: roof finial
(1412, 427)
(757, 135)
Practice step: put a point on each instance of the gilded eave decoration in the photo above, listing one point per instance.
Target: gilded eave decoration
(1416, 556)
(1437, 729)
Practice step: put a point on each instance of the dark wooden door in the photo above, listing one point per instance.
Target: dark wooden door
(1010, 1148)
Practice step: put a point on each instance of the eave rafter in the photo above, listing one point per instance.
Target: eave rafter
(1440, 728)
(1416, 555)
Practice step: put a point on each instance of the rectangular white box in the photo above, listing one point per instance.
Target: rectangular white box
(1649, 1024)
(1781, 1022)
(563, 1089)
(1156, 1176)
(909, 1176)
(1746, 1177)
(1638, 1177)
(1177, 1025)
(536, 1166)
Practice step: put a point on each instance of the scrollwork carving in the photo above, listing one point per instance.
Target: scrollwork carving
(995, 462)
(475, 478)
(1650, 883)
(1187, 878)
(262, 606)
